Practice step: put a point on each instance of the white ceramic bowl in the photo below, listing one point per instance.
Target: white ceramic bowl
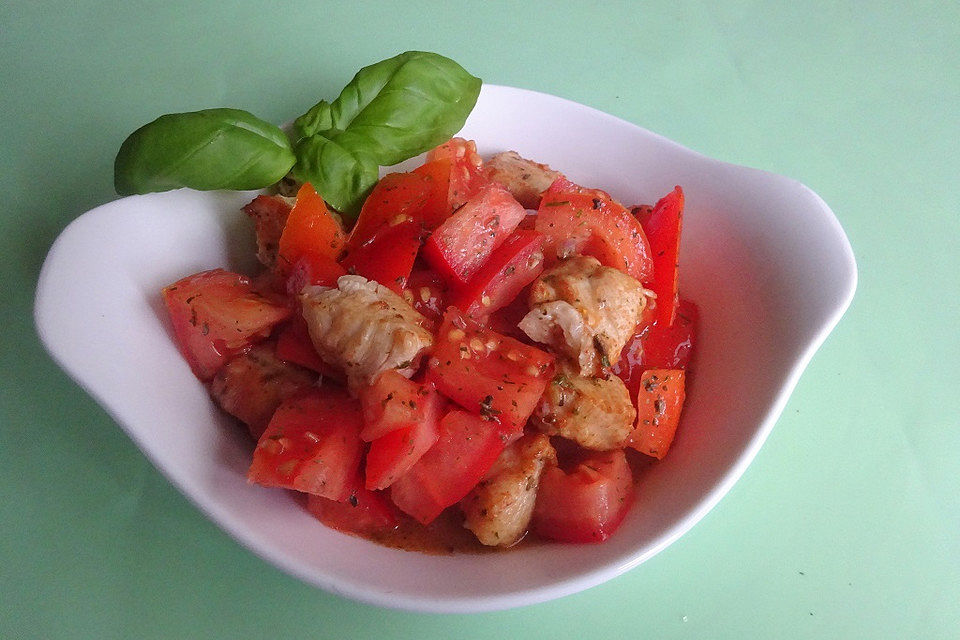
(763, 257)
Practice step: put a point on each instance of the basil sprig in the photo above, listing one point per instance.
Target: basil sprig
(390, 111)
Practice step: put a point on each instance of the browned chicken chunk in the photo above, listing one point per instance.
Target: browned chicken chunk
(252, 386)
(585, 311)
(364, 329)
(524, 179)
(595, 412)
(499, 508)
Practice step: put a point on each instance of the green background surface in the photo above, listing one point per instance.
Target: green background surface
(845, 526)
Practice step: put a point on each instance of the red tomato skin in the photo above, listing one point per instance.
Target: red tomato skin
(393, 402)
(466, 176)
(312, 268)
(217, 315)
(654, 346)
(390, 456)
(395, 198)
(489, 374)
(312, 444)
(586, 505)
(659, 402)
(504, 275)
(663, 227)
(388, 257)
(466, 448)
(427, 293)
(588, 221)
(310, 228)
(437, 207)
(363, 512)
(458, 248)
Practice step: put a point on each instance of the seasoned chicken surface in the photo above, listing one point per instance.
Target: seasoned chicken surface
(269, 214)
(252, 386)
(585, 311)
(499, 508)
(594, 412)
(365, 329)
(524, 179)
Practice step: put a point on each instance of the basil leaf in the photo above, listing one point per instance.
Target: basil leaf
(390, 111)
(342, 177)
(209, 149)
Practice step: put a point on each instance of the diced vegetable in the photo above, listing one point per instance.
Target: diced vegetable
(312, 444)
(389, 255)
(393, 402)
(497, 377)
(466, 176)
(363, 512)
(396, 198)
(217, 315)
(671, 347)
(427, 293)
(511, 268)
(294, 345)
(313, 268)
(663, 227)
(659, 402)
(310, 228)
(467, 447)
(589, 222)
(462, 244)
(587, 504)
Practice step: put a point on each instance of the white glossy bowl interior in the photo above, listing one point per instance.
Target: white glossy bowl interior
(763, 257)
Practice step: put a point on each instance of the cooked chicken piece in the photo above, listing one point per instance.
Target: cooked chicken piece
(269, 214)
(596, 413)
(585, 311)
(364, 329)
(252, 386)
(499, 508)
(524, 179)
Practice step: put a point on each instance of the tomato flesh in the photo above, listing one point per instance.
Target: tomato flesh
(586, 505)
(659, 402)
(465, 176)
(217, 315)
(388, 257)
(511, 268)
(363, 512)
(312, 444)
(654, 346)
(663, 226)
(467, 447)
(312, 268)
(461, 245)
(393, 402)
(487, 373)
(575, 220)
(310, 228)
(395, 198)
(427, 293)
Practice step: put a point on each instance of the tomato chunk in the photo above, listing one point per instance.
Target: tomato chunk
(389, 255)
(511, 268)
(396, 198)
(427, 293)
(363, 512)
(392, 455)
(467, 447)
(393, 402)
(312, 444)
(575, 220)
(460, 246)
(659, 403)
(313, 268)
(466, 176)
(587, 504)
(217, 315)
(663, 227)
(654, 346)
(487, 373)
(310, 228)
